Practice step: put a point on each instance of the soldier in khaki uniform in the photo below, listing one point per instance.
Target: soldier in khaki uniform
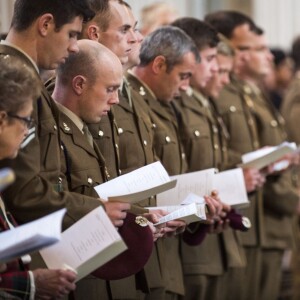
(136, 137)
(38, 189)
(205, 140)
(236, 110)
(290, 110)
(280, 195)
(80, 102)
(277, 233)
(103, 28)
(166, 140)
(126, 137)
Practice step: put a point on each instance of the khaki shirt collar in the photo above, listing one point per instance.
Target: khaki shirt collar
(143, 83)
(74, 118)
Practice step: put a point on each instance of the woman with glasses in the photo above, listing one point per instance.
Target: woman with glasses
(18, 88)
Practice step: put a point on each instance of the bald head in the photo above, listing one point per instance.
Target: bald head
(90, 57)
(88, 82)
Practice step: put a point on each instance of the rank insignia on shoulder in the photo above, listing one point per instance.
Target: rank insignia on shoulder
(66, 127)
(247, 89)
(142, 91)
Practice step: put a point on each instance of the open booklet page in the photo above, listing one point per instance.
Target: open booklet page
(189, 213)
(137, 185)
(231, 187)
(199, 183)
(87, 245)
(192, 209)
(268, 155)
(31, 236)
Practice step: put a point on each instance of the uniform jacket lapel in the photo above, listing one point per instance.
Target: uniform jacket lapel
(70, 129)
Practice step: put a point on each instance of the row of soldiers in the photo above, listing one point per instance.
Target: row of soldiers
(187, 95)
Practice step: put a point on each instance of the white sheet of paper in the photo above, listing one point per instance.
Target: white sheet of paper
(189, 213)
(87, 245)
(231, 187)
(199, 183)
(265, 156)
(137, 185)
(168, 209)
(192, 198)
(31, 236)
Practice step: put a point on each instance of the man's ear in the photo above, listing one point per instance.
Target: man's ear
(45, 23)
(93, 32)
(3, 120)
(159, 64)
(78, 84)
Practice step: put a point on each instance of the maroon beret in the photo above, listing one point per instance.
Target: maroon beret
(237, 221)
(196, 232)
(139, 240)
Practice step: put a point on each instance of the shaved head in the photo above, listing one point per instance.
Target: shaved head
(91, 55)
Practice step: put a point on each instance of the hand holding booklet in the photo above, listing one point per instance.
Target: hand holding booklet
(137, 185)
(189, 213)
(230, 185)
(31, 236)
(192, 209)
(263, 157)
(86, 246)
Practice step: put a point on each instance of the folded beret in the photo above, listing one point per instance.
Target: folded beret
(139, 240)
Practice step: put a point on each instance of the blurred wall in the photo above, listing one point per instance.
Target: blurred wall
(6, 8)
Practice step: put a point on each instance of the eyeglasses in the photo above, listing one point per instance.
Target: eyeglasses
(28, 121)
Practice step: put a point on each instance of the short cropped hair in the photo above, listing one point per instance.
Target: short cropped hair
(170, 42)
(102, 14)
(224, 47)
(82, 63)
(63, 11)
(226, 21)
(101, 9)
(201, 33)
(18, 84)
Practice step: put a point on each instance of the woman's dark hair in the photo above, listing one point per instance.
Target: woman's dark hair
(18, 84)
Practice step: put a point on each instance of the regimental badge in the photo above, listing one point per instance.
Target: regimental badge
(246, 222)
(142, 221)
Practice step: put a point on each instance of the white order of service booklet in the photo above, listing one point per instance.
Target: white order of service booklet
(137, 185)
(230, 185)
(85, 246)
(268, 155)
(30, 237)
